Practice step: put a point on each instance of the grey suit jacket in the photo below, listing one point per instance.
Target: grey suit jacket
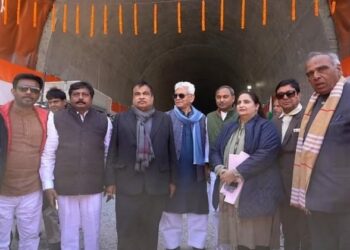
(287, 152)
(122, 156)
(329, 188)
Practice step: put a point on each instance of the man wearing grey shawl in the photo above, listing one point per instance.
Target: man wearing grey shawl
(140, 170)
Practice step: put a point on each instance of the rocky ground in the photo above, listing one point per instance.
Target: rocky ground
(109, 237)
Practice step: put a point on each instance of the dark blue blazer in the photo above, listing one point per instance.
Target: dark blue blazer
(262, 190)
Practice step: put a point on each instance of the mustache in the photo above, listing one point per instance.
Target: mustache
(82, 102)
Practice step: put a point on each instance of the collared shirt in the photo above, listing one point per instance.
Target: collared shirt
(82, 116)
(223, 115)
(49, 155)
(286, 119)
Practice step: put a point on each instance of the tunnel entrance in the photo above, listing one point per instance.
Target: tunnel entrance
(238, 55)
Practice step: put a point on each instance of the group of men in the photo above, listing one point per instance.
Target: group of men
(313, 162)
(156, 164)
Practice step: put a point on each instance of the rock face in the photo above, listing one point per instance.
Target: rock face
(257, 55)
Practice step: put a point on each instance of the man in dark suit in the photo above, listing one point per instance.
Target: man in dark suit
(294, 223)
(141, 164)
(321, 171)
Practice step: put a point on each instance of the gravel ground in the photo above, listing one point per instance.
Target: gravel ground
(109, 237)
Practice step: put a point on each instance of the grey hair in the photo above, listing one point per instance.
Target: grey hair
(189, 86)
(229, 88)
(333, 56)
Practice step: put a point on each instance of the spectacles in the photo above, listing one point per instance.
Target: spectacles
(24, 89)
(181, 96)
(289, 94)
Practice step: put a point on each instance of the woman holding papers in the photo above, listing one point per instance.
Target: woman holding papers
(245, 153)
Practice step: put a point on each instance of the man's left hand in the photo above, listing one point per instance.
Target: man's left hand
(109, 192)
(172, 189)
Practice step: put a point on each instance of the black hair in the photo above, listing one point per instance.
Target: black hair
(141, 84)
(255, 99)
(292, 82)
(33, 77)
(81, 85)
(229, 88)
(55, 93)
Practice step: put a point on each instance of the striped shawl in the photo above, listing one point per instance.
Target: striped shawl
(307, 150)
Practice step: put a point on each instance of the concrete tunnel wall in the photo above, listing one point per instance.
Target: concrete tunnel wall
(259, 56)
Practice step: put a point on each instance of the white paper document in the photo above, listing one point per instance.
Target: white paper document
(231, 194)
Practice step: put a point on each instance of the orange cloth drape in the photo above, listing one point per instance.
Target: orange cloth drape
(19, 42)
(342, 29)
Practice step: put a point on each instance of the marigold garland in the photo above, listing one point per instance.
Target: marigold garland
(155, 18)
(92, 21)
(243, 9)
(105, 19)
(179, 25)
(333, 6)
(35, 11)
(316, 10)
(18, 12)
(222, 14)
(5, 11)
(65, 16)
(77, 19)
(293, 14)
(264, 12)
(203, 16)
(136, 28)
(120, 18)
(316, 7)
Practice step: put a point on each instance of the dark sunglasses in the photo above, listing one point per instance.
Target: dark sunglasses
(24, 89)
(181, 96)
(289, 94)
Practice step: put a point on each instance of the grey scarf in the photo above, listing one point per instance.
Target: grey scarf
(144, 150)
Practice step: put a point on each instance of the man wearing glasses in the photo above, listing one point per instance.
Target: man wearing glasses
(225, 113)
(321, 171)
(190, 198)
(20, 187)
(294, 222)
(72, 166)
(141, 169)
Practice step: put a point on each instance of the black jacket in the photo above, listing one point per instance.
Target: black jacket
(122, 156)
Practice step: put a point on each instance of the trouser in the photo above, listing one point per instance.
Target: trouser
(51, 222)
(27, 210)
(171, 228)
(329, 231)
(138, 219)
(295, 228)
(213, 212)
(77, 211)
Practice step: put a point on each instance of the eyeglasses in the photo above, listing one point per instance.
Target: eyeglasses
(181, 96)
(289, 94)
(24, 89)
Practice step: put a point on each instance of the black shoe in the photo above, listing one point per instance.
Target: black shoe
(178, 248)
(195, 248)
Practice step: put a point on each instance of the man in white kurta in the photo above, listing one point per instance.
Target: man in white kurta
(72, 166)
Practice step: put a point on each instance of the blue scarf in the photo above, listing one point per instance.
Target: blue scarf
(193, 120)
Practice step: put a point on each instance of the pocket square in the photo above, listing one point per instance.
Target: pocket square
(296, 130)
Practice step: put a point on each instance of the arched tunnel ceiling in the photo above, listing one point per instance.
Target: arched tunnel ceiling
(258, 55)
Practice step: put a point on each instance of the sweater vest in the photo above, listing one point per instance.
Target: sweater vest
(79, 167)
